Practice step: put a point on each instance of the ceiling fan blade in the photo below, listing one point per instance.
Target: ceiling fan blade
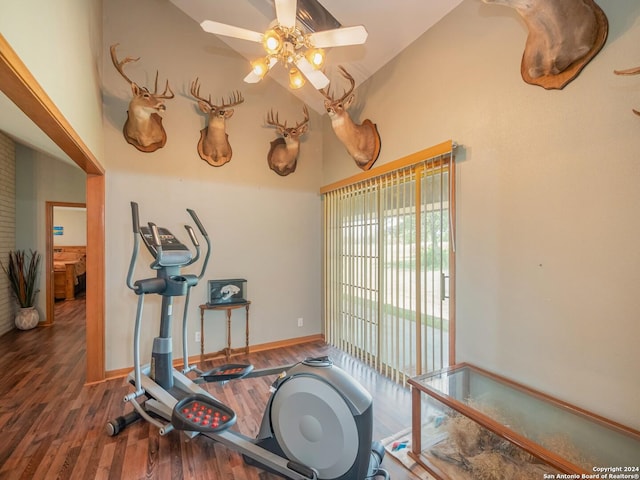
(286, 12)
(231, 31)
(316, 77)
(339, 37)
(254, 77)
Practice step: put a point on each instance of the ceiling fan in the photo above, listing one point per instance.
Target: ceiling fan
(287, 42)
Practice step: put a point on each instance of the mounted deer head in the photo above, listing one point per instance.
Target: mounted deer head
(630, 71)
(283, 154)
(361, 141)
(563, 37)
(143, 128)
(213, 146)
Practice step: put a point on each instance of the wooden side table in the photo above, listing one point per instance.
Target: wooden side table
(227, 351)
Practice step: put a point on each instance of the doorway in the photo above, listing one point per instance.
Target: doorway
(21, 87)
(72, 217)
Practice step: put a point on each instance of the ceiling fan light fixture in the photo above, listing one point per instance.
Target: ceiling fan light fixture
(316, 57)
(272, 42)
(296, 44)
(260, 67)
(296, 80)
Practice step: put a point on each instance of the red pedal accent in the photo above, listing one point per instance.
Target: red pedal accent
(204, 415)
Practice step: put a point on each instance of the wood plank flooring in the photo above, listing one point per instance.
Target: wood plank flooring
(53, 426)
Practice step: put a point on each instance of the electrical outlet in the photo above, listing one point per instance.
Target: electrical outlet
(197, 336)
(300, 322)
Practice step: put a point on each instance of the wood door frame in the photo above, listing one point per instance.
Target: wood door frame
(21, 87)
(50, 277)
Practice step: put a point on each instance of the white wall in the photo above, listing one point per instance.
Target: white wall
(73, 221)
(548, 264)
(60, 44)
(264, 227)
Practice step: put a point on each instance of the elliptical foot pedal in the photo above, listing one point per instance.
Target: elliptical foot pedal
(230, 371)
(199, 413)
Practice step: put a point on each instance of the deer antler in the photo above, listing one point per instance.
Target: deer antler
(120, 64)
(120, 67)
(234, 99)
(306, 117)
(345, 74)
(275, 122)
(166, 87)
(195, 92)
(630, 71)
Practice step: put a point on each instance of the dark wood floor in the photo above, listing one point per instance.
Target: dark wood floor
(53, 426)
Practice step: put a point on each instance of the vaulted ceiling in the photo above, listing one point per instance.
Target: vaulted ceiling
(392, 25)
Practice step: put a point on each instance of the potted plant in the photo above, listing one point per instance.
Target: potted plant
(22, 272)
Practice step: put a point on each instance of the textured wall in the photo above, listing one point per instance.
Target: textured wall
(7, 225)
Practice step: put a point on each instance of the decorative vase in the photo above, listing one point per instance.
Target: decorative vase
(27, 318)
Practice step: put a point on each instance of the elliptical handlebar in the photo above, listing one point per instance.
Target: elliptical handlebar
(136, 245)
(197, 220)
(135, 218)
(204, 233)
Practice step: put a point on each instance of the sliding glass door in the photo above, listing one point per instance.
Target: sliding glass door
(388, 264)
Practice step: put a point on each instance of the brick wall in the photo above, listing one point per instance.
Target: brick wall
(7, 225)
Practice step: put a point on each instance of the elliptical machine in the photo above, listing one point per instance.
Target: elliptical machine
(317, 422)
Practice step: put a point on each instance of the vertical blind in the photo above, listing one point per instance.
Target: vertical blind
(388, 259)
